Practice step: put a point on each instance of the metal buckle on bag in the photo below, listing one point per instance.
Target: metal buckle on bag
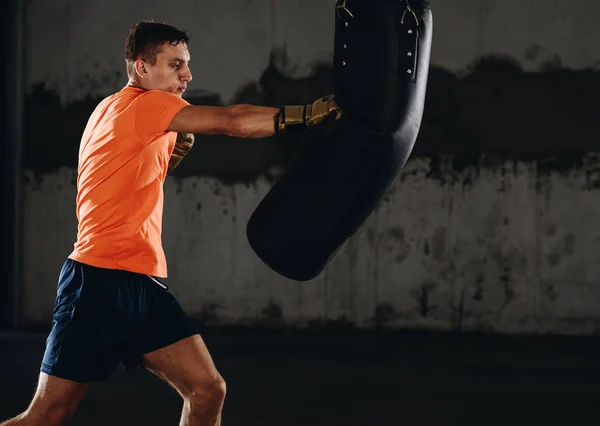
(411, 51)
(344, 8)
(408, 10)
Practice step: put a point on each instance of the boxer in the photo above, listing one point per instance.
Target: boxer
(111, 307)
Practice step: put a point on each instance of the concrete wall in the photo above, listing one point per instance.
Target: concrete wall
(77, 47)
(491, 227)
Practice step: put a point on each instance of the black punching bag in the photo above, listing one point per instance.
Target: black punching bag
(381, 64)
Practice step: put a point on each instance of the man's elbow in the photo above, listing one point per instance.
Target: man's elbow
(238, 125)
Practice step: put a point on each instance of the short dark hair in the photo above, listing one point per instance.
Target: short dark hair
(145, 40)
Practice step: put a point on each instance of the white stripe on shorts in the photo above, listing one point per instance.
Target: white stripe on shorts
(158, 282)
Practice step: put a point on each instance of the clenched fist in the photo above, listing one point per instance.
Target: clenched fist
(183, 145)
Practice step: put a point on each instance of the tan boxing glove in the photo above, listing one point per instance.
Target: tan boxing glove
(183, 145)
(299, 119)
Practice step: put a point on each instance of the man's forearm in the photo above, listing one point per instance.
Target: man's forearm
(251, 121)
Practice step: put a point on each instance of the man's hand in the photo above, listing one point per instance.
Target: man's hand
(298, 119)
(183, 145)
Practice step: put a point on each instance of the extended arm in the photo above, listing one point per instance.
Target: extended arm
(251, 121)
(240, 121)
(247, 121)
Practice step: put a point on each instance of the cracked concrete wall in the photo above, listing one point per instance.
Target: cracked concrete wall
(490, 227)
(509, 248)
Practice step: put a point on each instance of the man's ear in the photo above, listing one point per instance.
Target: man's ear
(141, 69)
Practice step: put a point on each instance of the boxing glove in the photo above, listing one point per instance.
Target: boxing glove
(301, 118)
(183, 145)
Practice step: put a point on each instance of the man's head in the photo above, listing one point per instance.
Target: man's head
(157, 57)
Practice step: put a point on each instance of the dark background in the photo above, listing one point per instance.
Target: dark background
(335, 376)
(12, 148)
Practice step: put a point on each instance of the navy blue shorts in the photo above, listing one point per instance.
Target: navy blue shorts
(105, 317)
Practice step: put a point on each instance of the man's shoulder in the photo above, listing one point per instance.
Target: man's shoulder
(123, 100)
(160, 96)
(157, 101)
(112, 99)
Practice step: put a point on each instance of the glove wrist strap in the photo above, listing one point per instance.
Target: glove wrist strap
(292, 119)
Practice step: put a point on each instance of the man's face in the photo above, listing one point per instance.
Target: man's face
(171, 73)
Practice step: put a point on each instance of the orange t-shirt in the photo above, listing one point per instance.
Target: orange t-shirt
(123, 160)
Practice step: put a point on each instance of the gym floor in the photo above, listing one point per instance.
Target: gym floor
(347, 378)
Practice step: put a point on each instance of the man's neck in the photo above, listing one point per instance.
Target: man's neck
(132, 83)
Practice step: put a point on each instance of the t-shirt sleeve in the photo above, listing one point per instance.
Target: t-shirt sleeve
(155, 111)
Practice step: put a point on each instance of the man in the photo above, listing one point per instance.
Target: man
(111, 307)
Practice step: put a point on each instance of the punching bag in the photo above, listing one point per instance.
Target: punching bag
(381, 65)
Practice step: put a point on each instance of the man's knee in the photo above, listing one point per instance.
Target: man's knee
(59, 415)
(207, 395)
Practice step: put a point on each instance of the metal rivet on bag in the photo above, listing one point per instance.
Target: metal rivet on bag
(410, 31)
(409, 53)
(345, 46)
(347, 24)
(409, 71)
(343, 63)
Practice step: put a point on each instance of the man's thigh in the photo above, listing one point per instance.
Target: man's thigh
(164, 331)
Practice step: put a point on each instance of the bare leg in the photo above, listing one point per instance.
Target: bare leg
(188, 367)
(53, 404)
